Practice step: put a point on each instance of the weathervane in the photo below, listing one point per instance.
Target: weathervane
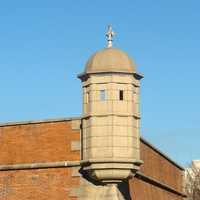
(109, 36)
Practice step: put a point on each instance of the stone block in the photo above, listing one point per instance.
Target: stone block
(75, 124)
(75, 172)
(75, 145)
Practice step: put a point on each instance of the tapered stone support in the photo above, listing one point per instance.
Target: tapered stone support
(111, 171)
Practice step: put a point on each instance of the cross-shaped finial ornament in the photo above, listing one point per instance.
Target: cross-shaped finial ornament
(109, 36)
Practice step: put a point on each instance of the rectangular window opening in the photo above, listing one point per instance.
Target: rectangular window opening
(121, 95)
(102, 95)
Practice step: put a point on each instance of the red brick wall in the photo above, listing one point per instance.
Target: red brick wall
(42, 142)
(41, 184)
(159, 168)
(39, 142)
(145, 191)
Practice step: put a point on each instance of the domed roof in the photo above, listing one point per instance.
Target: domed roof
(110, 60)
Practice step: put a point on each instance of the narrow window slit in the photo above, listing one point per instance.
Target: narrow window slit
(87, 97)
(102, 95)
(121, 95)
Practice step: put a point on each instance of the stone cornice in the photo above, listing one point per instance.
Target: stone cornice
(25, 166)
(110, 160)
(110, 114)
(38, 121)
(84, 76)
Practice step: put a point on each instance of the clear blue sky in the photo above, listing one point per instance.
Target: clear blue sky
(45, 44)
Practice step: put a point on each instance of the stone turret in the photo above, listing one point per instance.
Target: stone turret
(111, 118)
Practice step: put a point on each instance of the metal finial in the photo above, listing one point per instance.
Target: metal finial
(109, 36)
